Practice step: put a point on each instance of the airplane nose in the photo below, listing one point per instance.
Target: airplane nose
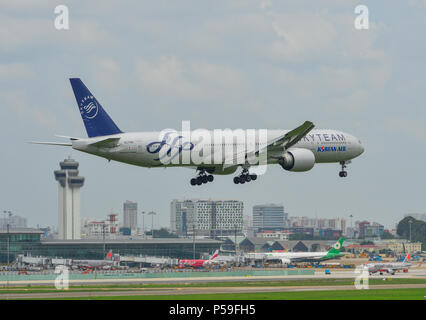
(360, 147)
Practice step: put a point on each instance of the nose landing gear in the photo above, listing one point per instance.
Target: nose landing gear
(343, 173)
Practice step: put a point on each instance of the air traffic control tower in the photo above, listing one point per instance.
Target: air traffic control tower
(69, 200)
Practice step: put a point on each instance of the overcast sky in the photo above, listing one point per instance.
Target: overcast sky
(220, 64)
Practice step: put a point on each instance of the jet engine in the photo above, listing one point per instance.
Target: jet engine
(297, 159)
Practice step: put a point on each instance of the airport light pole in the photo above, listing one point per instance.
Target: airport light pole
(409, 223)
(235, 240)
(9, 214)
(193, 241)
(152, 214)
(8, 246)
(143, 223)
(103, 234)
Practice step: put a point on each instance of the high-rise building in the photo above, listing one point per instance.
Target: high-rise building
(130, 213)
(318, 223)
(269, 217)
(182, 215)
(69, 183)
(13, 221)
(206, 217)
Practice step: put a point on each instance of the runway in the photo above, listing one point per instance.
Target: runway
(196, 291)
(419, 273)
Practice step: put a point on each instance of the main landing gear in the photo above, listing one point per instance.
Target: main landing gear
(343, 173)
(245, 177)
(202, 178)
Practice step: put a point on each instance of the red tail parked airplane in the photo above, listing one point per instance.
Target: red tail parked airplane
(197, 263)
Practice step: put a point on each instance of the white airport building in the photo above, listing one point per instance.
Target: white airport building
(206, 217)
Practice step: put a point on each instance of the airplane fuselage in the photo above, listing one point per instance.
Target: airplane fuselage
(143, 148)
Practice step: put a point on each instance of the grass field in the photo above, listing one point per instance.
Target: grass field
(147, 287)
(327, 294)
(382, 294)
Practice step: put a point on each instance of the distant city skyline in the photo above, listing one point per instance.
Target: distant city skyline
(249, 215)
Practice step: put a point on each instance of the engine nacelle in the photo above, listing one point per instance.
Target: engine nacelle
(297, 160)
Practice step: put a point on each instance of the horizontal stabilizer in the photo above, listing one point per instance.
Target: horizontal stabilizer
(67, 137)
(106, 143)
(64, 144)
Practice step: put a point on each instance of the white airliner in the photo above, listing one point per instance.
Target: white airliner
(291, 257)
(389, 267)
(294, 150)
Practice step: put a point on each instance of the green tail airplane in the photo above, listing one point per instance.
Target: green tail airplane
(289, 257)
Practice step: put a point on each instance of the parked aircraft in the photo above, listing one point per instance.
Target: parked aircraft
(291, 257)
(389, 267)
(198, 263)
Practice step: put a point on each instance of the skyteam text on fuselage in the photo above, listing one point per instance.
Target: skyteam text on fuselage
(294, 150)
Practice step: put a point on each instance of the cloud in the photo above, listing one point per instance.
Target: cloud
(169, 76)
(18, 103)
(409, 127)
(265, 4)
(15, 71)
(18, 34)
(300, 36)
(107, 73)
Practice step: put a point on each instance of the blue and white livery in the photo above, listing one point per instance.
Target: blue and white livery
(294, 150)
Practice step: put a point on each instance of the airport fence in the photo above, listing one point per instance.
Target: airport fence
(73, 275)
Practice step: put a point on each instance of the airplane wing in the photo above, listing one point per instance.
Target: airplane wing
(283, 143)
(292, 137)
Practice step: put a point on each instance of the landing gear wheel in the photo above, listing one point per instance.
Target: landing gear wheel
(199, 181)
(245, 177)
(203, 177)
(343, 174)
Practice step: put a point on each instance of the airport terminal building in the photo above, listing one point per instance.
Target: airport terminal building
(28, 242)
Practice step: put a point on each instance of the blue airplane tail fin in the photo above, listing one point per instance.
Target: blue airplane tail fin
(96, 120)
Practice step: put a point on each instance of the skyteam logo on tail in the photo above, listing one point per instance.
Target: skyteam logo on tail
(88, 107)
